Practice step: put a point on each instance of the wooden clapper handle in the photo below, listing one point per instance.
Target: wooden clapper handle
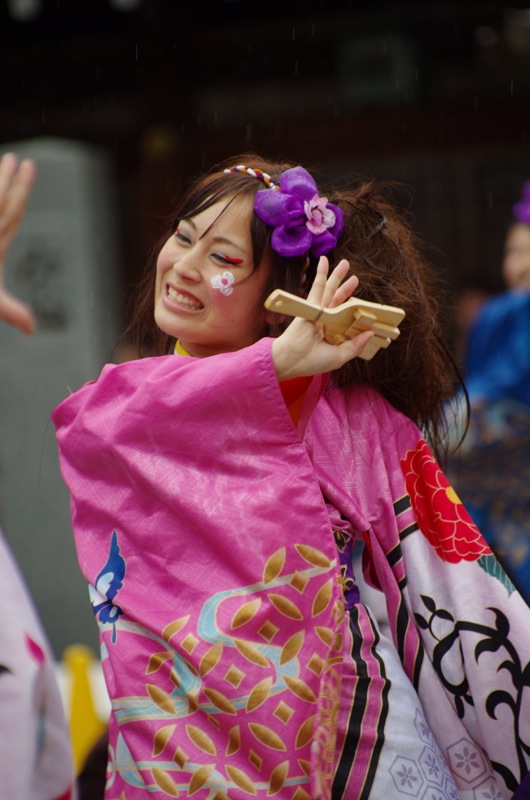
(344, 321)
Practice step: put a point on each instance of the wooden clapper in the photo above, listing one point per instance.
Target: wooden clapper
(344, 321)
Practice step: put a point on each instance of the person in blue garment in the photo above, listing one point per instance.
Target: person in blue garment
(35, 753)
(497, 361)
(493, 472)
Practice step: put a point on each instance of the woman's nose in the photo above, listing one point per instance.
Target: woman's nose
(187, 266)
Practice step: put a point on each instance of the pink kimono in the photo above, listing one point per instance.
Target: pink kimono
(238, 657)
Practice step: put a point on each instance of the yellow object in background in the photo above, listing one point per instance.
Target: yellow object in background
(86, 726)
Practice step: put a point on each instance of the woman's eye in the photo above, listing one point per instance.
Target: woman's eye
(228, 260)
(180, 237)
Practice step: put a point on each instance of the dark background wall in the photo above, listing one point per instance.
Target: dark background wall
(433, 94)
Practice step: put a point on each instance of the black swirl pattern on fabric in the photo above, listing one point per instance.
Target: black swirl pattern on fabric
(494, 639)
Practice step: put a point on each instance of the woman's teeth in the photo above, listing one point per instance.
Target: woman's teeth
(183, 299)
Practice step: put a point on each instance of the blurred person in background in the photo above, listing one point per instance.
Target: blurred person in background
(35, 754)
(492, 471)
(497, 358)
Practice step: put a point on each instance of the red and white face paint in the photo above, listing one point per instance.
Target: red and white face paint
(223, 282)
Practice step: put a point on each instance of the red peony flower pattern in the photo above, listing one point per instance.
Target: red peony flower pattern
(441, 517)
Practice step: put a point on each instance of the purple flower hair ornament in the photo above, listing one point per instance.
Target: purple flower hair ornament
(302, 221)
(521, 210)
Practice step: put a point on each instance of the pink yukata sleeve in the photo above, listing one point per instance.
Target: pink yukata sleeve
(203, 534)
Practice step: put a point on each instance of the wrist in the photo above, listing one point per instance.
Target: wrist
(282, 361)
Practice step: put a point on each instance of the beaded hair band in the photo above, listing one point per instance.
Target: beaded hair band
(255, 173)
(300, 219)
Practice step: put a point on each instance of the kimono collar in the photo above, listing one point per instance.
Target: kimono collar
(179, 350)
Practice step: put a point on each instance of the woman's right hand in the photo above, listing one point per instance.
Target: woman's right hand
(16, 181)
(301, 349)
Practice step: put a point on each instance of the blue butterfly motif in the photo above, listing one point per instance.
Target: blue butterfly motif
(108, 583)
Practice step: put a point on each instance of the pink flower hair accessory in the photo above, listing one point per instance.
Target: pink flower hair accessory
(521, 210)
(223, 282)
(302, 221)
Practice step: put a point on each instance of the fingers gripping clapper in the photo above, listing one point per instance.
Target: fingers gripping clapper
(345, 321)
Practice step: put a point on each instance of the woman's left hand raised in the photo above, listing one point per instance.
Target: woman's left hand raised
(301, 349)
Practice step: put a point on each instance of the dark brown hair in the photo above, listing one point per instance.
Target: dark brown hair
(417, 373)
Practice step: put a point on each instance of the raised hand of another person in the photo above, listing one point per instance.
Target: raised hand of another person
(302, 349)
(16, 180)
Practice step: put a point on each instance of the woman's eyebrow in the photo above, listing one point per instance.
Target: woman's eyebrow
(226, 240)
(216, 239)
(188, 222)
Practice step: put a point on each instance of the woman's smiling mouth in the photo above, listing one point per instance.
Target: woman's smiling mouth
(187, 300)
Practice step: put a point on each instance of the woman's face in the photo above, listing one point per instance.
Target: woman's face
(516, 262)
(207, 292)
